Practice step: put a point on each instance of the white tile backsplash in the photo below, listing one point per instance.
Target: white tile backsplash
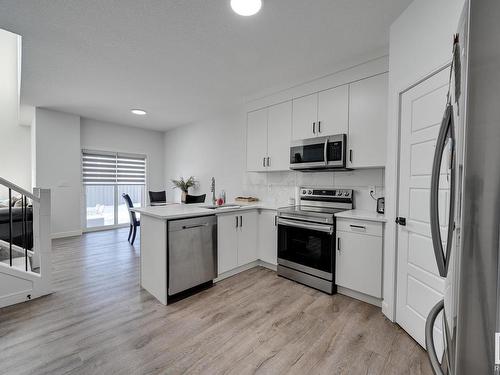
(277, 188)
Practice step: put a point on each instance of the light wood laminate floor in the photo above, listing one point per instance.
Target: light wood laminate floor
(99, 321)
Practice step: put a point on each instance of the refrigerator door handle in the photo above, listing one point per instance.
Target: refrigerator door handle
(429, 338)
(446, 132)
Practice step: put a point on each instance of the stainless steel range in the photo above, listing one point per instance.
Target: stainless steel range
(306, 237)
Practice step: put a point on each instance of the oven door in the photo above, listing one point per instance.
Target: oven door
(307, 247)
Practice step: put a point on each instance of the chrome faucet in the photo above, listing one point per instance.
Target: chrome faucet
(212, 189)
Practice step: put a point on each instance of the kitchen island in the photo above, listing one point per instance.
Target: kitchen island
(155, 244)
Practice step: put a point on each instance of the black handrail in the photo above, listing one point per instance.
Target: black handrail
(10, 227)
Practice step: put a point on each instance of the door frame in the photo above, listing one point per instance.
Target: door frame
(390, 266)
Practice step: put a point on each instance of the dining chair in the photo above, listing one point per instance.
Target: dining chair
(157, 197)
(195, 198)
(134, 223)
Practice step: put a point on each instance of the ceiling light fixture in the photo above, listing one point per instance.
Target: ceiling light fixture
(246, 7)
(139, 112)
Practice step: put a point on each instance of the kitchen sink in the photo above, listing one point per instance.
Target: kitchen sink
(224, 206)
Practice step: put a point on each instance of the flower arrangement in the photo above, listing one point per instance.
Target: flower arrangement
(184, 185)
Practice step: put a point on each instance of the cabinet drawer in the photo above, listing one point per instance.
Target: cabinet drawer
(372, 228)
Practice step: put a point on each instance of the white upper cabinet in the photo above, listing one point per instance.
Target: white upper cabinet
(305, 116)
(367, 122)
(333, 111)
(279, 136)
(268, 138)
(257, 140)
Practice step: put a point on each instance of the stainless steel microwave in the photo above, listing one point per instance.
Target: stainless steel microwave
(319, 153)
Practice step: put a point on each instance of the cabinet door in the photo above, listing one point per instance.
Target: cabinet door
(268, 240)
(257, 140)
(279, 132)
(227, 243)
(305, 113)
(359, 263)
(368, 122)
(247, 237)
(333, 111)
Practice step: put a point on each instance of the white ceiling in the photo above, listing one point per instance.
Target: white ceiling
(182, 60)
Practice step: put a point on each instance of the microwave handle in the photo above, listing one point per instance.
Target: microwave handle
(325, 152)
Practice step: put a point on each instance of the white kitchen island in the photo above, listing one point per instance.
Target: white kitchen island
(154, 240)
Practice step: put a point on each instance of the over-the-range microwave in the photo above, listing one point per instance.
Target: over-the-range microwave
(319, 153)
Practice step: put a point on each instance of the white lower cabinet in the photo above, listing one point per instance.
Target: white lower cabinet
(236, 239)
(359, 256)
(268, 240)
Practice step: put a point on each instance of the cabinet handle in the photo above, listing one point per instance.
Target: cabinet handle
(350, 155)
(268, 161)
(236, 217)
(264, 162)
(241, 221)
(357, 226)
(275, 220)
(314, 128)
(338, 244)
(319, 126)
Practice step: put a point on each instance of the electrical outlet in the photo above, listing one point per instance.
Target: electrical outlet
(371, 189)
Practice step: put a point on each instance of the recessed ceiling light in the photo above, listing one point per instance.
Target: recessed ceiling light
(139, 112)
(246, 7)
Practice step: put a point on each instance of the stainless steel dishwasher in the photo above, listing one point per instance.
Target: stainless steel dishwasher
(192, 253)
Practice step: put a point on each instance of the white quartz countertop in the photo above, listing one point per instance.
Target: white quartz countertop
(361, 215)
(179, 210)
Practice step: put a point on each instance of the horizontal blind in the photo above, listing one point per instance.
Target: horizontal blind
(106, 168)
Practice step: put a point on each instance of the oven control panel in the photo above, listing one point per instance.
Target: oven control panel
(326, 193)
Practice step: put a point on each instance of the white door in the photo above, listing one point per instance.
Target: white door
(333, 111)
(227, 243)
(256, 140)
(268, 237)
(419, 286)
(247, 237)
(279, 132)
(368, 122)
(305, 116)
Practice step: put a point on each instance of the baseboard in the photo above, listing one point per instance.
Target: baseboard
(237, 270)
(270, 266)
(72, 233)
(14, 298)
(361, 296)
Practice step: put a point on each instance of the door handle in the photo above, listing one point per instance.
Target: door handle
(264, 162)
(275, 220)
(446, 131)
(338, 244)
(236, 217)
(357, 226)
(241, 221)
(401, 221)
(314, 128)
(350, 155)
(268, 161)
(319, 126)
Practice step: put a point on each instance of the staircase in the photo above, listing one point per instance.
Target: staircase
(25, 244)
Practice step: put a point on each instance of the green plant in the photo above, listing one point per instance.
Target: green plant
(184, 185)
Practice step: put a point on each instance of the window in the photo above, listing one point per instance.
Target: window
(106, 176)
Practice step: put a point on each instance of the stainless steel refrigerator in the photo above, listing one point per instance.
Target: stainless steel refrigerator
(467, 251)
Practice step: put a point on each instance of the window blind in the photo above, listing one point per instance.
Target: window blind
(106, 168)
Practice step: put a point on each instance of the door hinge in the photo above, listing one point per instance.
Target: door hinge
(401, 221)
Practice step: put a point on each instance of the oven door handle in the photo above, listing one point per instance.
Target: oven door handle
(312, 226)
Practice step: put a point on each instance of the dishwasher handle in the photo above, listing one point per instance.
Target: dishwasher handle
(194, 226)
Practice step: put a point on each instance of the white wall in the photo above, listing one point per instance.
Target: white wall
(57, 139)
(210, 148)
(103, 136)
(420, 43)
(15, 156)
